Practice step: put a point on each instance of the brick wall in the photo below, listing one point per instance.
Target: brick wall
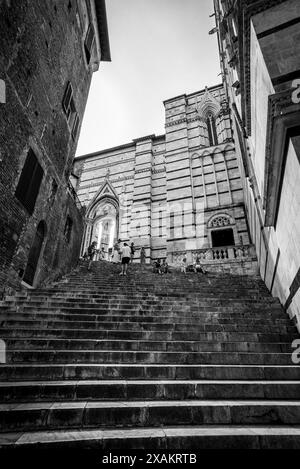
(41, 50)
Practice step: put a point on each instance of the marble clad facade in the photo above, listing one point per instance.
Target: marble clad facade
(260, 57)
(173, 193)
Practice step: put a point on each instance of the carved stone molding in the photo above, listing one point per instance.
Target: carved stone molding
(283, 123)
(245, 10)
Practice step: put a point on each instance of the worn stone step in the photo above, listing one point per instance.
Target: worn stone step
(151, 390)
(168, 438)
(254, 326)
(146, 335)
(88, 371)
(210, 317)
(120, 356)
(138, 345)
(98, 414)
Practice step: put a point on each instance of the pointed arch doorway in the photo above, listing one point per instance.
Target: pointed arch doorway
(102, 220)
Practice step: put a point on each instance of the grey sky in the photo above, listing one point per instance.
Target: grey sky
(159, 49)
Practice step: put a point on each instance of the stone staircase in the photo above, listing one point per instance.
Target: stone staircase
(101, 362)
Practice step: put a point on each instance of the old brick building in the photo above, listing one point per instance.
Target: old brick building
(49, 51)
(176, 194)
(260, 50)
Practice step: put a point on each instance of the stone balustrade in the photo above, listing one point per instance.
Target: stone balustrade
(235, 259)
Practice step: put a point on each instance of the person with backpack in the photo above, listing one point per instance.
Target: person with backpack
(125, 254)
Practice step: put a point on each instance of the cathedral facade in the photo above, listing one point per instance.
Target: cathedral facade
(175, 194)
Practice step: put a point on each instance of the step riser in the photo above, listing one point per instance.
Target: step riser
(71, 448)
(147, 346)
(90, 416)
(102, 392)
(114, 315)
(146, 335)
(216, 327)
(115, 372)
(192, 358)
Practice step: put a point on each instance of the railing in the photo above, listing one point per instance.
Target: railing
(220, 254)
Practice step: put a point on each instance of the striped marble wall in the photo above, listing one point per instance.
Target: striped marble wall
(171, 186)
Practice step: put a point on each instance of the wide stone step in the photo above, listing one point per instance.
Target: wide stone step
(147, 305)
(146, 335)
(211, 317)
(116, 371)
(98, 414)
(250, 326)
(169, 438)
(138, 345)
(120, 356)
(181, 310)
(134, 390)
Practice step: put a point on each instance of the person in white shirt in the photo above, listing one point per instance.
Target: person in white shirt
(125, 255)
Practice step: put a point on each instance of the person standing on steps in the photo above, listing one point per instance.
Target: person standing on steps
(125, 254)
(165, 267)
(91, 253)
(143, 256)
(116, 253)
(183, 265)
(132, 251)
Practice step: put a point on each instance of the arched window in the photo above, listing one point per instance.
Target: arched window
(212, 130)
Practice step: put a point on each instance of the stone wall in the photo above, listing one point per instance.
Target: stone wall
(41, 51)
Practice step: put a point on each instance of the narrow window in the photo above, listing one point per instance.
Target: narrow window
(160, 228)
(172, 225)
(68, 229)
(29, 183)
(75, 126)
(68, 102)
(212, 131)
(88, 43)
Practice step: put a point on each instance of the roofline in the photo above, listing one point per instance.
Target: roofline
(119, 147)
(101, 152)
(103, 30)
(193, 94)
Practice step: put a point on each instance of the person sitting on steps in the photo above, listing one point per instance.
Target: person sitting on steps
(198, 268)
(157, 267)
(125, 254)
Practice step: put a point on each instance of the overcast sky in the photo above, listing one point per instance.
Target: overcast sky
(159, 49)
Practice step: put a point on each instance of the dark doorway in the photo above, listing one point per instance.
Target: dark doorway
(34, 253)
(222, 238)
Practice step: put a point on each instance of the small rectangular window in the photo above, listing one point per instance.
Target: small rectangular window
(75, 126)
(68, 102)
(88, 43)
(29, 183)
(68, 229)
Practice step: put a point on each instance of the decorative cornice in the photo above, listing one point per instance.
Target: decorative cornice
(142, 139)
(179, 121)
